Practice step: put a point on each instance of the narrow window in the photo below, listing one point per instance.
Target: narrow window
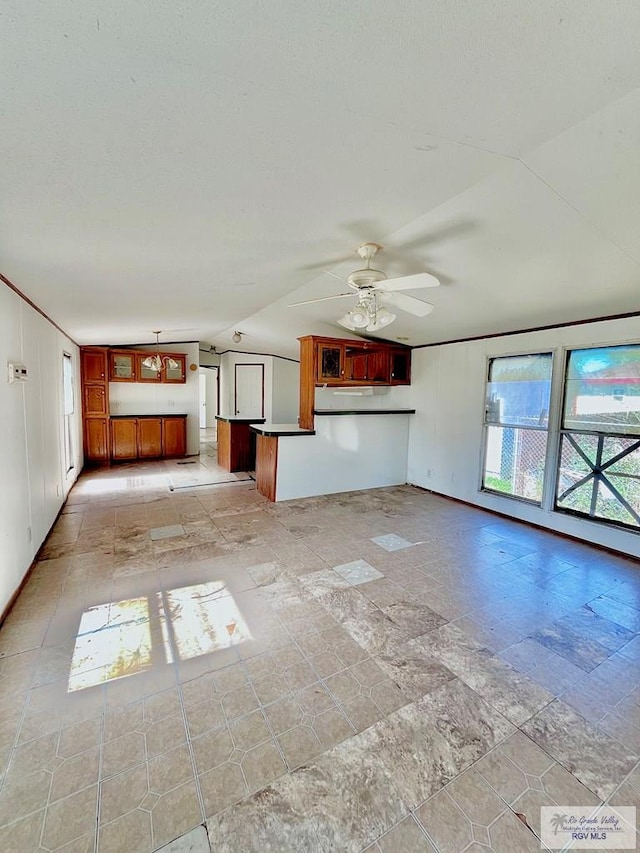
(599, 465)
(516, 425)
(67, 390)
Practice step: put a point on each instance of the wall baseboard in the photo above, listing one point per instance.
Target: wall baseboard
(27, 574)
(506, 515)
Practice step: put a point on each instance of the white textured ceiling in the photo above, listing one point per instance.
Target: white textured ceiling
(181, 166)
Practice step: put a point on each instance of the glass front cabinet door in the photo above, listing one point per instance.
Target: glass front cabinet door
(174, 374)
(330, 363)
(122, 366)
(146, 374)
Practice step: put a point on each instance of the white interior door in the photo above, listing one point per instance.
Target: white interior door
(249, 391)
(203, 399)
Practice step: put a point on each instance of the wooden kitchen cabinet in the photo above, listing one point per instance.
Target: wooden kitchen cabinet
(124, 438)
(96, 439)
(174, 436)
(94, 400)
(122, 366)
(94, 364)
(344, 363)
(330, 363)
(166, 373)
(334, 361)
(366, 366)
(400, 366)
(149, 438)
(175, 374)
(95, 404)
(130, 437)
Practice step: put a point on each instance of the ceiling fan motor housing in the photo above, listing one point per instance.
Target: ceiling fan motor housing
(366, 278)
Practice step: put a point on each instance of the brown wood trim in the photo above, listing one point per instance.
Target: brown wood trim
(224, 445)
(267, 465)
(33, 305)
(584, 322)
(307, 383)
(235, 381)
(559, 533)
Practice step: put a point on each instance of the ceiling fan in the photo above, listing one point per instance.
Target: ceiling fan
(375, 291)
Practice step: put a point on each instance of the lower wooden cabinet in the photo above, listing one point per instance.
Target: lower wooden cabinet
(174, 437)
(96, 439)
(148, 438)
(124, 438)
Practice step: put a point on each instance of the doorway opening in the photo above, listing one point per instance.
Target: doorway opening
(209, 396)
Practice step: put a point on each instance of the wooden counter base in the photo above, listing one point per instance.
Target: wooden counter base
(236, 444)
(267, 465)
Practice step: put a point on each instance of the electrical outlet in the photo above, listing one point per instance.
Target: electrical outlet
(28, 534)
(58, 490)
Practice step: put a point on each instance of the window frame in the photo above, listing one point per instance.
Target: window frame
(67, 419)
(551, 420)
(562, 431)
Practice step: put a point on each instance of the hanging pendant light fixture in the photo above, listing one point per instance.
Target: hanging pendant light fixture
(155, 362)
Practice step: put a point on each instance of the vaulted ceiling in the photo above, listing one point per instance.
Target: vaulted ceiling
(194, 167)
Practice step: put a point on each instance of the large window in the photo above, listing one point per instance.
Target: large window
(516, 425)
(67, 391)
(599, 466)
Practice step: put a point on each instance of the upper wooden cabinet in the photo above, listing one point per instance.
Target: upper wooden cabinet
(166, 373)
(330, 359)
(338, 362)
(94, 364)
(400, 366)
(342, 362)
(128, 366)
(122, 366)
(367, 366)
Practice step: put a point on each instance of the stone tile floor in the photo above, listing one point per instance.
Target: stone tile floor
(226, 686)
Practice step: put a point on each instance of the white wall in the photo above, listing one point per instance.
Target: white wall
(445, 443)
(34, 482)
(348, 452)
(383, 397)
(228, 362)
(207, 358)
(286, 391)
(150, 398)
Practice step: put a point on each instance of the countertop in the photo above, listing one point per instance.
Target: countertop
(364, 411)
(240, 420)
(155, 415)
(280, 429)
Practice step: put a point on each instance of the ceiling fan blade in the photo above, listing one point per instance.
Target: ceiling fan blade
(339, 277)
(408, 282)
(322, 299)
(407, 303)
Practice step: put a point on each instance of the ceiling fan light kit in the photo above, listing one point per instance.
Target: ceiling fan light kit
(373, 286)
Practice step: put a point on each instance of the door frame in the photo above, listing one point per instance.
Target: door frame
(235, 384)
